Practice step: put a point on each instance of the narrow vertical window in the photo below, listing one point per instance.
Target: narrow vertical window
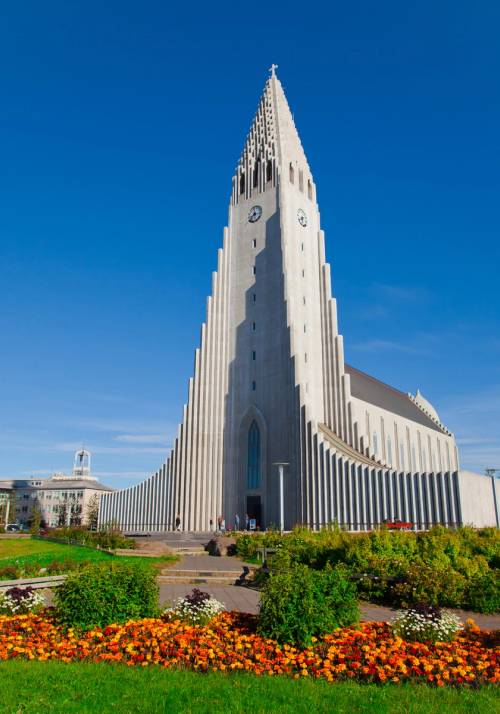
(291, 174)
(254, 355)
(269, 170)
(305, 357)
(254, 386)
(253, 326)
(254, 270)
(256, 174)
(254, 297)
(253, 461)
(254, 243)
(305, 328)
(303, 301)
(303, 273)
(302, 247)
(309, 190)
(242, 183)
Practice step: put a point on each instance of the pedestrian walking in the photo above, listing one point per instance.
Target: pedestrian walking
(219, 524)
(223, 525)
(236, 522)
(178, 523)
(247, 521)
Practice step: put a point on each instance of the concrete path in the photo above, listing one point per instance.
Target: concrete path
(234, 598)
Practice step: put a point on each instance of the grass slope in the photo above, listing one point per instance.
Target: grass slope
(27, 551)
(57, 688)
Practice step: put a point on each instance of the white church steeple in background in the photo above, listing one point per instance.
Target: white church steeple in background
(270, 383)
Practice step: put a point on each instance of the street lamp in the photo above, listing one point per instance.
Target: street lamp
(281, 468)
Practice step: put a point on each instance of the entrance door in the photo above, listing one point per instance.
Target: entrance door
(254, 509)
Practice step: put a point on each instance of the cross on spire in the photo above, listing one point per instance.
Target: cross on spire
(273, 69)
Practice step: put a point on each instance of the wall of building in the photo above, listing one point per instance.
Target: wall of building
(401, 443)
(477, 499)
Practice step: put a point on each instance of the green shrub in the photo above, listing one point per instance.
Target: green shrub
(10, 572)
(246, 546)
(108, 539)
(427, 585)
(378, 575)
(300, 603)
(104, 593)
(484, 592)
(64, 566)
(441, 565)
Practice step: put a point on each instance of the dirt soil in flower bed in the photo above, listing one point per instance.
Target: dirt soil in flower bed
(366, 653)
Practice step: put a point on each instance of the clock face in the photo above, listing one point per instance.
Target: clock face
(254, 214)
(302, 218)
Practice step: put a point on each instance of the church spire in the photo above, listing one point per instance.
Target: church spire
(272, 148)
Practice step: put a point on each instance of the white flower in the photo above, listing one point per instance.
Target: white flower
(199, 611)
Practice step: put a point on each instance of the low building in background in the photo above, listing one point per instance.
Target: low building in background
(59, 500)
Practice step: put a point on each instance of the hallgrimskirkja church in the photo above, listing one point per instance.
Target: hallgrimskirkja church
(270, 384)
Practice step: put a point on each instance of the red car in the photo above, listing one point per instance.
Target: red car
(397, 525)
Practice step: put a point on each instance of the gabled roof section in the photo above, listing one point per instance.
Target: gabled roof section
(373, 391)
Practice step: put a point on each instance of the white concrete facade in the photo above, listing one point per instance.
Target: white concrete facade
(270, 383)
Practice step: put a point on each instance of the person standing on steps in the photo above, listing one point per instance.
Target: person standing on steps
(236, 522)
(178, 523)
(247, 521)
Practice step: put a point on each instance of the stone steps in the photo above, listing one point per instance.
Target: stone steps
(212, 576)
(188, 573)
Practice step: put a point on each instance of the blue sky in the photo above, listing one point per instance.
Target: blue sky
(120, 126)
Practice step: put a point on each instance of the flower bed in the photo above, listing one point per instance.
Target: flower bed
(368, 653)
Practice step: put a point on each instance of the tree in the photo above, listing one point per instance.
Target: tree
(92, 512)
(36, 518)
(62, 514)
(75, 515)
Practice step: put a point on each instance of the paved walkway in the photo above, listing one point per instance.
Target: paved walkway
(234, 598)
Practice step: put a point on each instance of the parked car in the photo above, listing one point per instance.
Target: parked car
(397, 525)
(13, 528)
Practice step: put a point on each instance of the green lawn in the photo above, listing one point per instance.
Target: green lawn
(57, 688)
(32, 553)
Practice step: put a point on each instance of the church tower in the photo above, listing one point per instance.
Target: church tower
(270, 384)
(282, 323)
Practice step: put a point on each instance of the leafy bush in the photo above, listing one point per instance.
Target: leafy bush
(106, 593)
(484, 592)
(452, 563)
(108, 539)
(425, 584)
(10, 572)
(65, 566)
(300, 603)
(426, 624)
(197, 608)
